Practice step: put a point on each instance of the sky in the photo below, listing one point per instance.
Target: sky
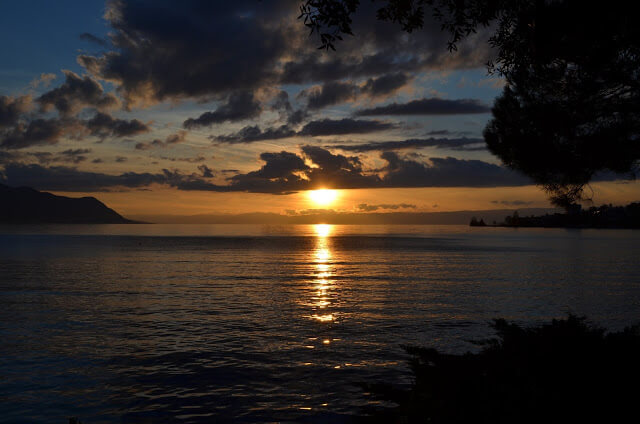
(200, 107)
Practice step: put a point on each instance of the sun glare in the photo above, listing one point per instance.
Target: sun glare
(323, 197)
(322, 230)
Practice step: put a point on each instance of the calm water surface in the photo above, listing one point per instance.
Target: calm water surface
(214, 323)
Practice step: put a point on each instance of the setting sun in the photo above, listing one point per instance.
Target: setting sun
(323, 197)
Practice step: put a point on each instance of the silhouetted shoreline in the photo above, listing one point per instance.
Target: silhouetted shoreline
(603, 217)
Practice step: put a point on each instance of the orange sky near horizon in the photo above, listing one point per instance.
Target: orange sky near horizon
(166, 201)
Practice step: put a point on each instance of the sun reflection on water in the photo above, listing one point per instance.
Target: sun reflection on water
(323, 270)
(323, 230)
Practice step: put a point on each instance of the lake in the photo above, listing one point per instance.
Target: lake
(241, 323)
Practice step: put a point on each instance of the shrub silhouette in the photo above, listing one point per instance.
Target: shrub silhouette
(566, 371)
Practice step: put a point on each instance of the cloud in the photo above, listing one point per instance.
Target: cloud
(388, 50)
(343, 126)
(7, 156)
(297, 116)
(329, 162)
(93, 39)
(71, 156)
(336, 170)
(512, 202)
(205, 171)
(176, 138)
(371, 208)
(331, 93)
(44, 80)
(36, 132)
(170, 140)
(283, 172)
(41, 131)
(192, 49)
(431, 106)
(438, 143)
(12, 108)
(253, 133)
(447, 172)
(386, 84)
(75, 94)
(74, 156)
(440, 132)
(405, 57)
(62, 178)
(19, 130)
(195, 49)
(277, 165)
(282, 104)
(194, 159)
(239, 106)
(337, 92)
(104, 125)
(149, 145)
(286, 172)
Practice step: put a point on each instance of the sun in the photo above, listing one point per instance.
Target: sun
(323, 197)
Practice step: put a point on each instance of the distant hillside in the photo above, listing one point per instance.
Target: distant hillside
(332, 217)
(23, 205)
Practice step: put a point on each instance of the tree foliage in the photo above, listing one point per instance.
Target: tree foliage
(571, 105)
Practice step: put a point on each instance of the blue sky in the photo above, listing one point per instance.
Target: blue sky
(44, 37)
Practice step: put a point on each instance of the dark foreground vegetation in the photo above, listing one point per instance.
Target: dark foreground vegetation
(567, 371)
(605, 216)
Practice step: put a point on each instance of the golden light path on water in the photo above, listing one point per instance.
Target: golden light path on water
(324, 271)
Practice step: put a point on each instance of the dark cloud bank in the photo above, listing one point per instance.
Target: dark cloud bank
(21, 126)
(333, 93)
(191, 49)
(282, 172)
(431, 106)
(239, 106)
(227, 51)
(468, 144)
(317, 128)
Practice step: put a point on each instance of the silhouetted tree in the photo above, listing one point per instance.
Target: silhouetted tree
(571, 106)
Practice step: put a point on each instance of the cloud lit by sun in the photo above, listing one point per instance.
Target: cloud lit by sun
(323, 197)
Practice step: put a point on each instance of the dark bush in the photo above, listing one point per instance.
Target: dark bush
(566, 371)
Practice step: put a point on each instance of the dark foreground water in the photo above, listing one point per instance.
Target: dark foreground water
(151, 323)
